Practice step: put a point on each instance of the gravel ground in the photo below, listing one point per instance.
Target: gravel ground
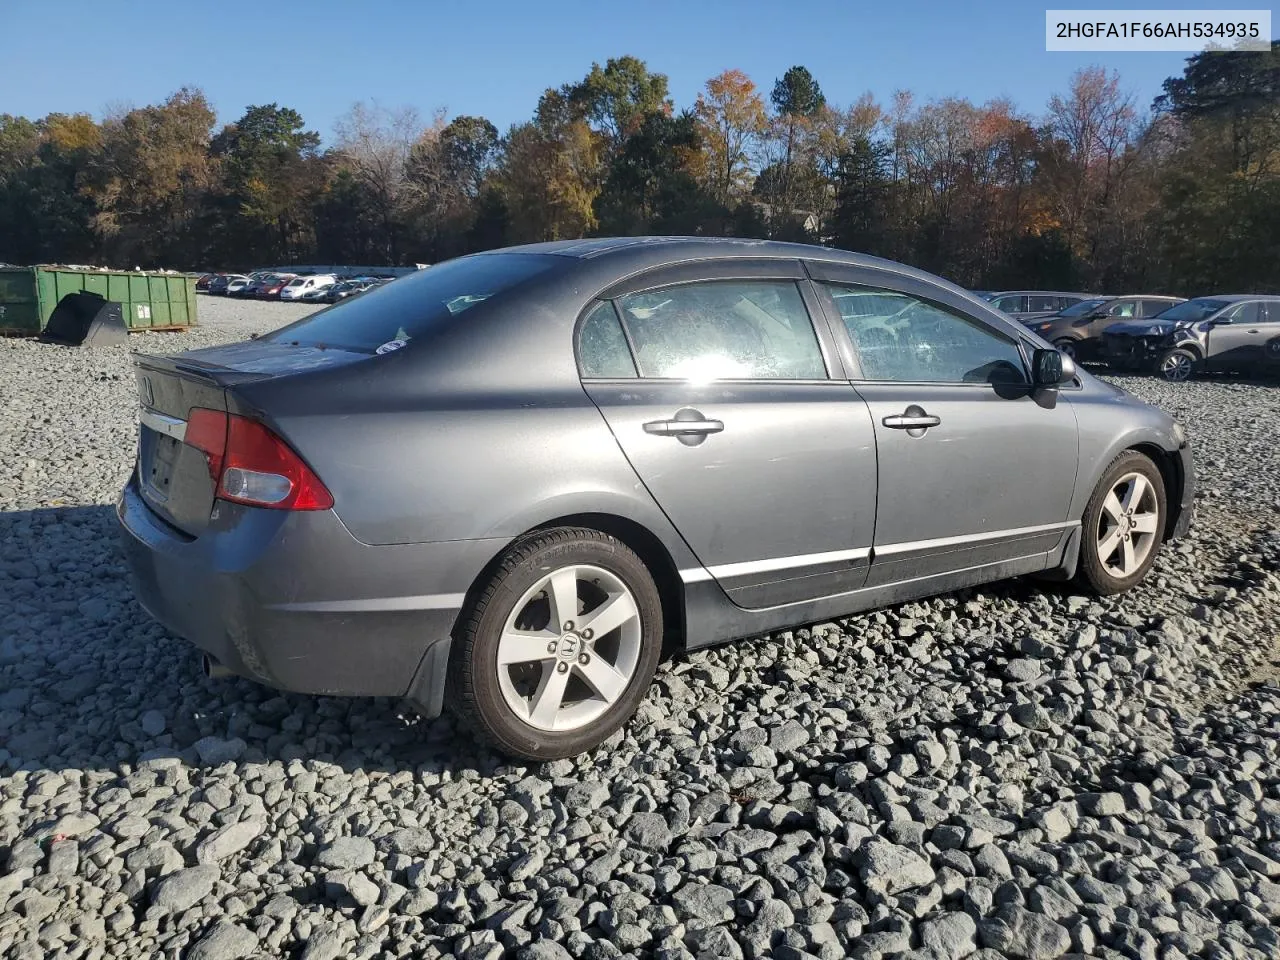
(1010, 771)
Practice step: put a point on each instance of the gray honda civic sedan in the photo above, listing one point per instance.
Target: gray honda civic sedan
(505, 483)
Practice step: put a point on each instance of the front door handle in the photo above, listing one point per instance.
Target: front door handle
(914, 420)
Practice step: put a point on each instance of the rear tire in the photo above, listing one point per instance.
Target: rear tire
(1123, 526)
(1177, 365)
(539, 683)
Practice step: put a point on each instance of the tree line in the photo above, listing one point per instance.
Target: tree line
(1096, 193)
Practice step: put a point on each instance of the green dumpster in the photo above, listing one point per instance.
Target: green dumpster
(151, 301)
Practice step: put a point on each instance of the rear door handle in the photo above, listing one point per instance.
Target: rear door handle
(909, 421)
(683, 428)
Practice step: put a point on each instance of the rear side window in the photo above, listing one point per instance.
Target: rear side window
(724, 330)
(416, 304)
(602, 347)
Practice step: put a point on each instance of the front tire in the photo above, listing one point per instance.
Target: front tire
(1177, 365)
(559, 646)
(1067, 346)
(1123, 525)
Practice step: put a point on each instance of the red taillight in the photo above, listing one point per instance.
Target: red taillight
(250, 464)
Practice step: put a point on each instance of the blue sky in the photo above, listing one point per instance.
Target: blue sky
(495, 58)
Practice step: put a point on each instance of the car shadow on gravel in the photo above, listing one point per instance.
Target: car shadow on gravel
(88, 681)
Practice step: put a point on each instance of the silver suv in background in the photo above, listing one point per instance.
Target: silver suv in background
(1032, 304)
(1230, 333)
(1077, 331)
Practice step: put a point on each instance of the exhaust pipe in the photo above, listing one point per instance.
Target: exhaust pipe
(213, 668)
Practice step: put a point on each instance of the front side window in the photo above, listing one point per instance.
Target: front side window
(1246, 313)
(1041, 304)
(723, 330)
(1125, 308)
(901, 338)
(1010, 304)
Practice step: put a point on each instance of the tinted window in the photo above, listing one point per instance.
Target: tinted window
(901, 338)
(1246, 313)
(1012, 304)
(602, 347)
(1083, 307)
(724, 330)
(1037, 304)
(1193, 310)
(416, 304)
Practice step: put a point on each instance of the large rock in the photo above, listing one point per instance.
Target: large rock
(347, 853)
(1017, 932)
(704, 901)
(226, 941)
(889, 869)
(228, 840)
(184, 888)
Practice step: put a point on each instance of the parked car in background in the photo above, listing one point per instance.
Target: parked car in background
(1232, 333)
(202, 285)
(1031, 304)
(345, 289)
(218, 285)
(1077, 331)
(298, 286)
(237, 286)
(380, 507)
(270, 287)
(250, 289)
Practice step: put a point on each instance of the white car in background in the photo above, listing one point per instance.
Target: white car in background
(237, 284)
(298, 286)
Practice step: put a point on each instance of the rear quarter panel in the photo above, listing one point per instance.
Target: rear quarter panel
(480, 431)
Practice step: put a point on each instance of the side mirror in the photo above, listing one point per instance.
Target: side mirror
(1052, 368)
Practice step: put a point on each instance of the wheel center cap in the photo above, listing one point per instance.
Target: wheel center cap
(569, 647)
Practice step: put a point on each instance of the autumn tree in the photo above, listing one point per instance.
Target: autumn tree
(153, 178)
(731, 116)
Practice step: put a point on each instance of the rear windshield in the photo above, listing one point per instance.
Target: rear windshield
(415, 304)
(1193, 310)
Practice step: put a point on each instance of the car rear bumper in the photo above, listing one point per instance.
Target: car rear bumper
(292, 600)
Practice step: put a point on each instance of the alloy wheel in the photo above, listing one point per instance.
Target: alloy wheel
(570, 648)
(1176, 367)
(1128, 526)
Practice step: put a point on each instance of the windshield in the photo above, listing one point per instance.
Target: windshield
(297, 283)
(1083, 307)
(1192, 311)
(414, 305)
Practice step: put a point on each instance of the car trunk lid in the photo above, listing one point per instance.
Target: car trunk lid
(173, 475)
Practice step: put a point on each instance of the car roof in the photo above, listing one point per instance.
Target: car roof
(627, 253)
(1048, 293)
(1234, 297)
